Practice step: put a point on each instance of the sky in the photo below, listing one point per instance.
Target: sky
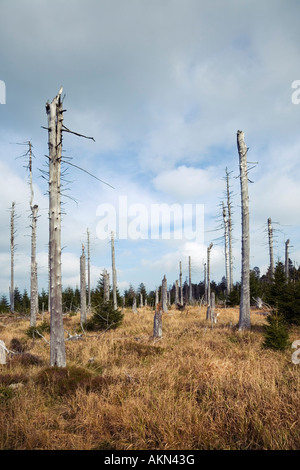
(162, 86)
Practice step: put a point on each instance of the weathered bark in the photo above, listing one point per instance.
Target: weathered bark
(134, 309)
(270, 235)
(164, 295)
(205, 286)
(2, 353)
(212, 308)
(180, 283)
(33, 278)
(12, 257)
(287, 259)
(105, 286)
(57, 342)
(157, 322)
(89, 272)
(225, 221)
(244, 319)
(156, 297)
(208, 312)
(230, 286)
(83, 313)
(114, 272)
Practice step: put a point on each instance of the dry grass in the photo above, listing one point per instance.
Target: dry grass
(197, 388)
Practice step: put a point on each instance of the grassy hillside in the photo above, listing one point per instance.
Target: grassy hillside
(196, 388)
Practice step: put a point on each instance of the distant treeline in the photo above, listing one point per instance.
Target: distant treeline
(279, 291)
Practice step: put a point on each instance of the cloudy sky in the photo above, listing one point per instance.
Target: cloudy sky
(162, 86)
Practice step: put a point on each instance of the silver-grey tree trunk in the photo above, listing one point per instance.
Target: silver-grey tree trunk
(271, 252)
(89, 272)
(12, 257)
(225, 221)
(164, 295)
(34, 296)
(157, 322)
(55, 121)
(205, 285)
(156, 297)
(244, 319)
(176, 293)
(230, 254)
(287, 259)
(134, 309)
(180, 283)
(114, 272)
(105, 286)
(190, 281)
(83, 313)
(208, 312)
(141, 300)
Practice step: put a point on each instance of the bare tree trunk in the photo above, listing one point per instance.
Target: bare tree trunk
(244, 320)
(208, 312)
(83, 314)
(89, 271)
(34, 299)
(212, 309)
(176, 293)
(230, 286)
(157, 322)
(164, 295)
(57, 342)
(270, 234)
(2, 353)
(156, 297)
(287, 259)
(134, 309)
(141, 300)
(180, 283)
(114, 272)
(205, 285)
(12, 257)
(225, 220)
(105, 286)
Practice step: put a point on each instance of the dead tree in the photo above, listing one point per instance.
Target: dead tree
(114, 272)
(156, 297)
(164, 295)
(134, 309)
(157, 322)
(176, 293)
(88, 271)
(83, 314)
(286, 269)
(55, 122)
(141, 300)
(12, 257)
(270, 235)
(105, 286)
(225, 222)
(229, 211)
(213, 316)
(180, 283)
(205, 286)
(244, 318)
(208, 312)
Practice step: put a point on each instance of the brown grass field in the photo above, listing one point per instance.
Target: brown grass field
(198, 388)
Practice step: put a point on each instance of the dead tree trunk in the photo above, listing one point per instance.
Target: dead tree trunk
(114, 272)
(89, 272)
(156, 297)
(176, 293)
(157, 322)
(180, 283)
(212, 309)
(205, 285)
(164, 295)
(244, 319)
(55, 121)
(105, 286)
(225, 220)
(208, 312)
(83, 315)
(229, 232)
(134, 309)
(34, 299)
(287, 259)
(270, 235)
(141, 300)
(12, 257)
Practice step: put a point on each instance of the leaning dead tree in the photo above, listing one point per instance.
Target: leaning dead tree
(55, 122)
(208, 312)
(12, 257)
(83, 313)
(244, 318)
(270, 236)
(114, 272)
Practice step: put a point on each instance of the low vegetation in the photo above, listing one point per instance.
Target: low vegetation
(201, 386)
